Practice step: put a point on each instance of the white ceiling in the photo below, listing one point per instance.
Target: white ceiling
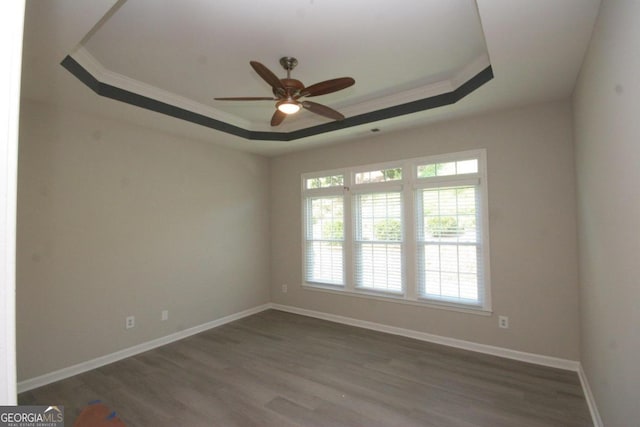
(188, 52)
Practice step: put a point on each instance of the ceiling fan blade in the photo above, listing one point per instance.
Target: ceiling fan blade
(247, 98)
(328, 86)
(277, 118)
(268, 77)
(323, 110)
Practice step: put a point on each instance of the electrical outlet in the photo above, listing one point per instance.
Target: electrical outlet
(130, 322)
(284, 289)
(165, 315)
(503, 322)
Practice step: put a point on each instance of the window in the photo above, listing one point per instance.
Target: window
(449, 241)
(415, 231)
(378, 241)
(324, 230)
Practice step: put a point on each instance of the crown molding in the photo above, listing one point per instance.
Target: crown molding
(94, 67)
(112, 85)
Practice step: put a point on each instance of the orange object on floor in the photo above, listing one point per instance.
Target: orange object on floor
(98, 415)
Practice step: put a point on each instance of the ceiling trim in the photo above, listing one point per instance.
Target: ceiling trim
(104, 75)
(146, 102)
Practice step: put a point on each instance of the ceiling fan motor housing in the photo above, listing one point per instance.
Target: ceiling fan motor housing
(292, 86)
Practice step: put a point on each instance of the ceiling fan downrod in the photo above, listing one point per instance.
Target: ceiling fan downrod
(288, 63)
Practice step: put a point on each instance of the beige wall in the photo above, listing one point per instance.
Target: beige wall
(532, 225)
(607, 134)
(117, 220)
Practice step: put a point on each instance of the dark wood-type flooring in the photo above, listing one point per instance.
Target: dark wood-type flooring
(281, 369)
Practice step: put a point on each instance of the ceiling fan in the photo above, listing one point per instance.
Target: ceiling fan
(288, 92)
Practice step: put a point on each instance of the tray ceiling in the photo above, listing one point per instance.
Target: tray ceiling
(181, 55)
(416, 54)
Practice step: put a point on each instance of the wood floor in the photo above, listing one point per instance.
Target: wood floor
(281, 369)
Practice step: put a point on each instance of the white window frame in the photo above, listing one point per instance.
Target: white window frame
(478, 180)
(378, 188)
(409, 185)
(325, 192)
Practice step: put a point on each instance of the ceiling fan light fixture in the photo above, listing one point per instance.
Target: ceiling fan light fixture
(288, 106)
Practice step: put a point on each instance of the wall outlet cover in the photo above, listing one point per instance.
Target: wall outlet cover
(503, 322)
(130, 322)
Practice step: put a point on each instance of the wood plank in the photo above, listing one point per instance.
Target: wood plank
(282, 369)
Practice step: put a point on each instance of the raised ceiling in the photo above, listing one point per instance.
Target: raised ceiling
(411, 52)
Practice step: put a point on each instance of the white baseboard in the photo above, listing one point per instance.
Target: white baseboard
(132, 351)
(553, 362)
(591, 401)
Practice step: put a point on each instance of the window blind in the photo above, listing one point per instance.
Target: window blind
(378, 241)
(324, 240)
(449, 260)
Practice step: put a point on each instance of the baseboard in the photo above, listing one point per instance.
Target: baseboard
(553, 362)
(132, 351)
(591, 401)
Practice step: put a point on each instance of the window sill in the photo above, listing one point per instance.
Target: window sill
(397, 298)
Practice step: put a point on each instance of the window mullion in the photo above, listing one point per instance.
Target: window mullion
(409, 239)
(349, 261)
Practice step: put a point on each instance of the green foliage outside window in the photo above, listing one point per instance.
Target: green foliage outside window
(392, 174)
(389, 229)
(325, 181)
(444, 226)
(333, 230)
